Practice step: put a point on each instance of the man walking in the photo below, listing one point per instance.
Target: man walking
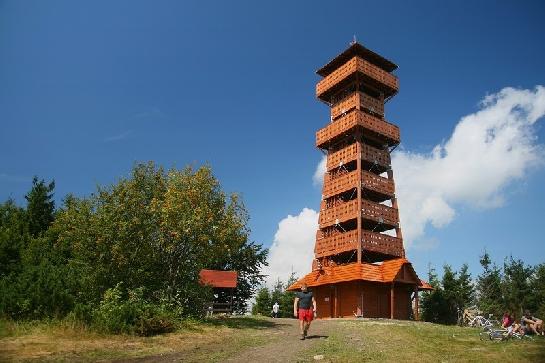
(304, 306)
(275, 309)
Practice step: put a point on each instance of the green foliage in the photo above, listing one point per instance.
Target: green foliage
(154, 231)
(40, 206)
(287, 298)
(13, 237)
(263, 305)
(490, 298)
(129, 312)
(265, 299)
(515, 285)
(449, 297)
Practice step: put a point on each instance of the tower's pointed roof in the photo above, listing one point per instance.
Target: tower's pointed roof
(356, 49)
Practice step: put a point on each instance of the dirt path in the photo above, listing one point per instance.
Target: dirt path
(284, 346)
(287, 347)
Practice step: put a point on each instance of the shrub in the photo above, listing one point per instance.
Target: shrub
(131, 313)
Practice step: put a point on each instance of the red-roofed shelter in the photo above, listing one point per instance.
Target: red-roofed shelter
(223, 284)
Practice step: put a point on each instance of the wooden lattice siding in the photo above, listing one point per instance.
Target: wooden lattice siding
(381, 129)
(345, 182)
(382, 243)
(357, 100)
(346, 211)
(349, 153)
(388, 81)
(338, 242)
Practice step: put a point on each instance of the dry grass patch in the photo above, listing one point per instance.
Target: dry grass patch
(62, 342)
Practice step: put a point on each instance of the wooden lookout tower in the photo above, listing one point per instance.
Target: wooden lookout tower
(360, 267)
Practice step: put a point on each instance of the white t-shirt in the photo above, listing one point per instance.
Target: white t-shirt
(276, 307)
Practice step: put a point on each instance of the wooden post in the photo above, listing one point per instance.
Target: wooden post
(392, 301)
(359, 171)
(416, 303)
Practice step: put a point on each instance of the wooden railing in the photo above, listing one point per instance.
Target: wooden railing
(349, 153)
(382, 243)
(379, 213)
(337, 243)
(357, 100)
(341, 213)
(347, 241)
(356, 64)
(389, 132)
(336, 185)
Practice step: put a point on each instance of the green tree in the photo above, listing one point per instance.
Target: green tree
(13, 237)
(516, 285)
(466, 287)
(157, 230)
(536, 300)
(262, 304)
(286, 301)
(276, 293)
(40, 206)
(451, 292)
(434, 305)
(490, 299)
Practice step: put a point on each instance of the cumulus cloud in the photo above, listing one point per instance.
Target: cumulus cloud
(318, 177)
(488, 151)
(293, 246)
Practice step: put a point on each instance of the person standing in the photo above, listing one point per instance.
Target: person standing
(275, 309)
(304, 306)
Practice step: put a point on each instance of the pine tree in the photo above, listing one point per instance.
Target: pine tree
(40, 206)
(516, 285)
(490, 299)
(262, 304)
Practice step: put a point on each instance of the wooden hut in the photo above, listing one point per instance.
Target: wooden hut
(223, 284)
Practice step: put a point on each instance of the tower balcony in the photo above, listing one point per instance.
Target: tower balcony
(372, 242)
(371, 157)
(338, 243)
(371, 126)
(360, 101)
(345, 74)
(375, 187)
(382, 244)
(373, 214)
(380, 214)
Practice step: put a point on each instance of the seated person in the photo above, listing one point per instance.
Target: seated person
(508, 322)
(531, 324)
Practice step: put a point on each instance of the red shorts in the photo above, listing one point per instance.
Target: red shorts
(306, 314)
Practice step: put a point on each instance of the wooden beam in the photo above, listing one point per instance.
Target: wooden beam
(392, 300)
(416, 302)
(359, 196)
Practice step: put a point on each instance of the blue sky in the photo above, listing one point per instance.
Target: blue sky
(88, 89)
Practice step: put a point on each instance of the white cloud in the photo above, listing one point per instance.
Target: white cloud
(487, 151)
(318, 177)
(293, 246)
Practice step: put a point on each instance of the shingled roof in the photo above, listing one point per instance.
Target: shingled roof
(217, 278)
(387, 271)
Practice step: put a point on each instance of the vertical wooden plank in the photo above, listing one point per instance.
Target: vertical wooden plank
(392, 301)
(416, 303)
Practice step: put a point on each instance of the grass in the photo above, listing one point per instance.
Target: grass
(218, 339)
(360, 341)
(211, 340)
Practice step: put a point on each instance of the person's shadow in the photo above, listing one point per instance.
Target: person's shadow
(317, 337)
